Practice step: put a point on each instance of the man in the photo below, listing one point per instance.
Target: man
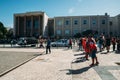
(100, 43)
(48, 46)
(70, 43)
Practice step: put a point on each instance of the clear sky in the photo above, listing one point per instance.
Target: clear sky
(57, 8)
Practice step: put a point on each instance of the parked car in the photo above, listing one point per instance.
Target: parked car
(60, 43)
(13, 41)
(23, 41)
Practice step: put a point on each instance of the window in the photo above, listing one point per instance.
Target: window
(58, 32)
(36, 23)
(28, 23)
(84, 21)
(67, 32)
(75, 22)
(59, 23)
(67, 22)
(94, 22)
(110, 23)
(103, 21)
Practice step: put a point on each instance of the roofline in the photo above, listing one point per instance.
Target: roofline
(30, 13)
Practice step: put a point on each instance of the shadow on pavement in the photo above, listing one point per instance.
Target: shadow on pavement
(80, 59)
(106, 52)
(77, 71)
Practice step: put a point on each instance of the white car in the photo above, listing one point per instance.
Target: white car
(60, 43)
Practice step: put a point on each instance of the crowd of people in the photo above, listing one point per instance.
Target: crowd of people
(90, 45)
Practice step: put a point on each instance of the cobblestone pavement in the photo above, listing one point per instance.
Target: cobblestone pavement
(10, 58)
(106, 70)
(46, 67)
(64, 64)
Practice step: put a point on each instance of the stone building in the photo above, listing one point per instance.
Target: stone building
(39, 24)
(68, 26)
(30, 24)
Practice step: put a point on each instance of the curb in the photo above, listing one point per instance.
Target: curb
(7, 71)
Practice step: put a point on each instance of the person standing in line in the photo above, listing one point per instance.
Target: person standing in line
(93, 51)
(108, 43)
(84, 43)
(100, 42)
(70, 43)
(118, 44)
(87, 48)
(48, 46)
(41, 43)
(103, 45)
(114, 43)
(74, 42)
(80, 44)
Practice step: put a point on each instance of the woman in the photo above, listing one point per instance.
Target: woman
(93, 51)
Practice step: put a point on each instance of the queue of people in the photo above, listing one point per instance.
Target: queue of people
(90, 46)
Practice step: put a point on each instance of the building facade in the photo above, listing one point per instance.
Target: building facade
(38, 23)
(30, 24)
(69, 26)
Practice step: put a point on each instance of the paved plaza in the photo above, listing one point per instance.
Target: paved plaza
(64, 64)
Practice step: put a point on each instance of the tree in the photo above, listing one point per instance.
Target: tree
(90, 32)
(77, 35)
(87, 32)
(1, 35)
(9, 34)
(3, 31)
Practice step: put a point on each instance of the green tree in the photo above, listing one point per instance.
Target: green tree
(3, 31)
(9, 34)
(87, 32)
(77, 35)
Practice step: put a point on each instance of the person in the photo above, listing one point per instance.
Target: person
(80, 44)
(87, 49)
(11, 43)
(74, 42)
(100, 42)
(84, 42)
(103, 45)
(108, 43)
(70, 43)
(48, 45)
(41, 43)
(93, 51)
(114, 43)
(118, 45)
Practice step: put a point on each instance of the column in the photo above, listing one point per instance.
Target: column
(89, 23)
(14, 31)
(31, 31)
(54, 28)
(25, 26)
(108, 25)
(62, 28)
(39, 25)
(98, 25)
(71, 26)
(80, 25)
(18, 25)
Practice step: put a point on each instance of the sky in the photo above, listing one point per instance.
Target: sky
(55, 8)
